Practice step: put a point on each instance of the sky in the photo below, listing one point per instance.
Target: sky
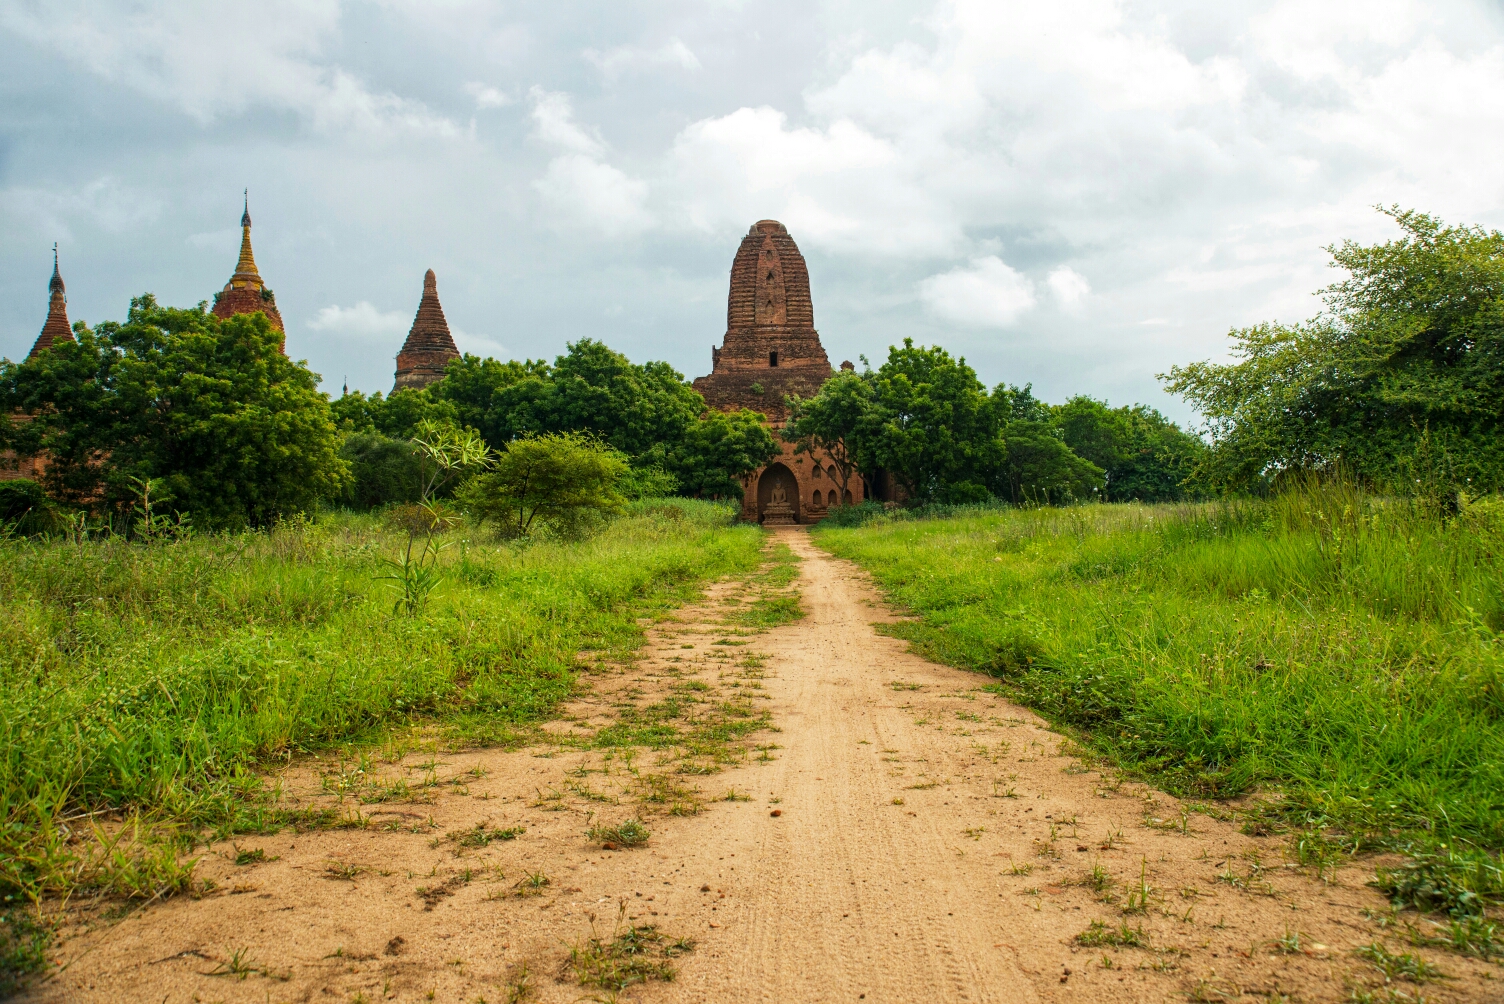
(1076, 194)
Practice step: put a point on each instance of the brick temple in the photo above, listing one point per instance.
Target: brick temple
(771, 350)
(245, 293)
(430, 347)
(55, 329)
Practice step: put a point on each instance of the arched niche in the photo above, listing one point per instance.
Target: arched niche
(773, 475)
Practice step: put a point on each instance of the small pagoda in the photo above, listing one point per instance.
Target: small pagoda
(56, 328)
(245, 293)
(430, 347)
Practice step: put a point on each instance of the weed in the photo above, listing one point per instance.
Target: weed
(252, 856)
(630, 955)
(1399, 966)
(1014, 868)
(237, 965)
(1099, 935)
(1470, 935)
(1138, 895)
(631, 833)
(479, 836)
(1289, 944)
(533, 884)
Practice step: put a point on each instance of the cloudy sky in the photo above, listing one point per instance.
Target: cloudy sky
(1077, 193)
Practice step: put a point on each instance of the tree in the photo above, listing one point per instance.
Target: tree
(237, 432)
(717, 450)
(496, 398)
(1403, 370)
(396, 417)
(834, 422)
(382, 470)
(557, 479)
(932, 426)
(1040, 468)
(444, 453)
(1143, 455)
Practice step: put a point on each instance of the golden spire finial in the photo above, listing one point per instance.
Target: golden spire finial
(245, 268)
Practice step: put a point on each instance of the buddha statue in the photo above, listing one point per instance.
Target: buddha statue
(778, 512)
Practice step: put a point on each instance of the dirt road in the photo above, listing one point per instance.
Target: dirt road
(912, 838)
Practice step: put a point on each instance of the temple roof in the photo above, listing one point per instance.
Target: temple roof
(769, 281)
(56, 328)
(429, 347)
(246, 292)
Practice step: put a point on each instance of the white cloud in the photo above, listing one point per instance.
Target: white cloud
(579, 188)
(211, 60)
(627, 58)
(479, 345)
(1069, 288)
(487, 96)
(361, 321)
(985, 294)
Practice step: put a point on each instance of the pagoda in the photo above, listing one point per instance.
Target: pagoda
(56, 328)
(245, 293)
(430, 347)
(771, 350)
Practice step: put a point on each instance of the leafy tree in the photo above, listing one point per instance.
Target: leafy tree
(1399, 380)
(932, 426)
(396, 417)
(833, 423)
(494, 397)
(237, 432)
(383, 470)
(1142, 454)
(445, 453)
(556, 479)
(1041, 468)
(717, 450)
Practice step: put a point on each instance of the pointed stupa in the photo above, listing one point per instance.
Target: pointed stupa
(429, 347)
(245, 293)
(56, 329)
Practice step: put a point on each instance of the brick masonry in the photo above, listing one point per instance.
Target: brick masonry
(771, 350)
(430, 347)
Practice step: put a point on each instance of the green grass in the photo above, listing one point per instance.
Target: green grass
(1338, 653)
(155, 684)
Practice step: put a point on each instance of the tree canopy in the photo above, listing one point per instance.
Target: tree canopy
(237, 433)
(1399, 380)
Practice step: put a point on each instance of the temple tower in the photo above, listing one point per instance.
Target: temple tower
(429, 348)
(56, 328)
(245, 293)
(771, 349)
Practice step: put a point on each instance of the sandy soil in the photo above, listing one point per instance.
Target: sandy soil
(912, 838)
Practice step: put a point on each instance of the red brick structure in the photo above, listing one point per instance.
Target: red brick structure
(55, 329)
(429, 347)
(245, 293)
(772, 350)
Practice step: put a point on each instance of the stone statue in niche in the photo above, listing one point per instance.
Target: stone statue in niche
(778, 511)
(779, 496)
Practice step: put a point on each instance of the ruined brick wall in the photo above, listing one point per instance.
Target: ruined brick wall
(771, 350)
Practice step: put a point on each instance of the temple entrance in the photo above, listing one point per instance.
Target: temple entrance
(777, 497)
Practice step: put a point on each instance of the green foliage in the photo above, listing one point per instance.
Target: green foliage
(1144, 457)
(716, 450)
(647, 412)
(237, 432)
(382, 470)
(1340, 648)
(1460, 882)
(161, 680)
(23, 949)
(559, 480)
(830, 426)
(1400, 380)
(27, 510)
(446, 453)
(931, 426)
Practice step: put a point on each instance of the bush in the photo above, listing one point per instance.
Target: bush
(384, 470)
(27, 508)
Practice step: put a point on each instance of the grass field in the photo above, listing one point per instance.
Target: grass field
(147, 687)
(1339, 655)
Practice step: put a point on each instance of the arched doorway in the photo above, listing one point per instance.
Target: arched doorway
(774, 513)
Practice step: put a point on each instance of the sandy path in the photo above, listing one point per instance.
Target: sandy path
(931, 843)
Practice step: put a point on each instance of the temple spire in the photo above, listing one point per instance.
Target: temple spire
(246, 293)
(56, 329)
(246, 275)
(430, 347)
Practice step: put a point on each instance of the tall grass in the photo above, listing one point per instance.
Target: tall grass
(1337, 651)
(158, 681)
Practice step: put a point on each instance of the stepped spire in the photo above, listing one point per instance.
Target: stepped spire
(246, 293)
(429, 347)
(56, 328)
